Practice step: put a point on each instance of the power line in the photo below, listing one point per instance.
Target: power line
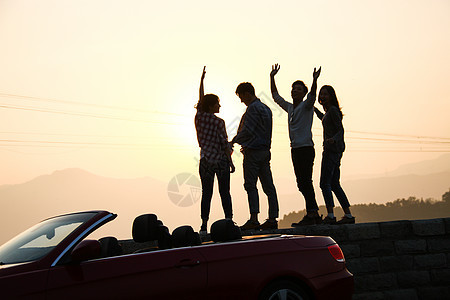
(32, 98)
(79, 114)
(398, 135)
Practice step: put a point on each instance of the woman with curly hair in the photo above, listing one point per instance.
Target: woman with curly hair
(215, 154)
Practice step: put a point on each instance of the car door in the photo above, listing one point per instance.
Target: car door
(162, 274)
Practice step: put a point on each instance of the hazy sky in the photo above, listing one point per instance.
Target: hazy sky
(109, 86)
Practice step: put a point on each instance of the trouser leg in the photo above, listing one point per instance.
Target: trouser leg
(207, 179)
(303, 161)
(223, 178)
(326, 176)
(336, 185)
(251, 170)
(265, 175)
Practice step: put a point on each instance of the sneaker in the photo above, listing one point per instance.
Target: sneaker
(328, 220)
(250, 225)
(203, 230)
(346, 220)
(308, 220)
(269, 224)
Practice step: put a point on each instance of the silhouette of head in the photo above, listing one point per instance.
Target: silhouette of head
(299, 90)
(209, 103)
(246, 92)
(327, 97)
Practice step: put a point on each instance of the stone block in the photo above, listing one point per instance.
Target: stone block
(409, 294)
(440, 277)
(377, 248)
(411, 279)
(338, 233)
(375, 282)
(447, 225)
(396, 229)
(364, 231)
(434, 293)
(369, 296)
(430, 261)
(410, 246)
(439, 244)
(363, 265)
(430, 227)
(396, 263)
(303, 230)
(351, 250)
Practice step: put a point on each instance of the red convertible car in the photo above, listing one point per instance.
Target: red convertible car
(55, 259)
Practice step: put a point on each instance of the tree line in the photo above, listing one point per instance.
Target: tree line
(411, 208)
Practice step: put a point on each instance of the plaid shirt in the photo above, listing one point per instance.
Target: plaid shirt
(212, 136)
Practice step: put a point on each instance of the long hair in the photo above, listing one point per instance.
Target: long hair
(333, 98)
(204, 104)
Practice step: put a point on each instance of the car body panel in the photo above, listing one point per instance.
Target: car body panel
(238, 269)
(133, 276)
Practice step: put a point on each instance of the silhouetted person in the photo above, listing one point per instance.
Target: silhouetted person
(255, 136)
(215, 154)
(300, 117)
(333, 148)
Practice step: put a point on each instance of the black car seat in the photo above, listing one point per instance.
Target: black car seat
(110, 247)
(147, 228)
(225, 230)
(185, 236)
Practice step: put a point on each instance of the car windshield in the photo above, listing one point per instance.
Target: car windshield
(40, 239)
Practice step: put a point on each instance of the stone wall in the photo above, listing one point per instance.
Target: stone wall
(393, 260)
(389, 260)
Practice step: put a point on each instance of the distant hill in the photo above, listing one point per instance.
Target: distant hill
(426, 167)
(400, 209)
(73, 190)
(385, 189)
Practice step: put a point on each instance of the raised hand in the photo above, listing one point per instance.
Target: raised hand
(275, 69)
(201, 89)
(204, 72)
(316, 74)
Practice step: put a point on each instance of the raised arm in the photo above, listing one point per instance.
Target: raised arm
(202, 90)
(311, 98)
(273, 86)
(316, 75)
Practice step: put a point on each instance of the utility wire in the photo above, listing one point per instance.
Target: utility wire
(32, 98)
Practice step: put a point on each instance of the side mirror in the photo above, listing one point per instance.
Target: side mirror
(86, 250)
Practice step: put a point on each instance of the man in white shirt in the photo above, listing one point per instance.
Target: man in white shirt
(300, 117)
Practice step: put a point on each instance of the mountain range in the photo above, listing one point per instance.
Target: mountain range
(71, 190)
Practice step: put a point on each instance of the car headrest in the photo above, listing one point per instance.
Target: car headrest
(110, 247)
(145, 228)
(225, 230)
(185, 236)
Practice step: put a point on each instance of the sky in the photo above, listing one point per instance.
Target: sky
(110, 86)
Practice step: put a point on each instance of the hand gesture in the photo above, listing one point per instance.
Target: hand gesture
(275, 69)
(204, 72)
(316, 74)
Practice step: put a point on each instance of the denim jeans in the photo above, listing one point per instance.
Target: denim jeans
(257, 165)
(329, 179)
(207, 173)
(303, 161)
